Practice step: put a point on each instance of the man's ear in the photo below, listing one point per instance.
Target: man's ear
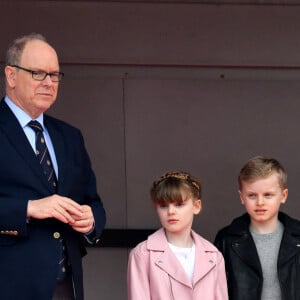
(10, 74)
(285, 193)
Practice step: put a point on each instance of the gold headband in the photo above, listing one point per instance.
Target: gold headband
(180, 176)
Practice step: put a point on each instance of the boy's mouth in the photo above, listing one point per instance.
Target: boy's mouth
(260, 211)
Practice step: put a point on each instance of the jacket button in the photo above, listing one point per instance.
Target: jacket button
(56, 235)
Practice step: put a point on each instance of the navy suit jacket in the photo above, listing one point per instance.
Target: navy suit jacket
(29, 250)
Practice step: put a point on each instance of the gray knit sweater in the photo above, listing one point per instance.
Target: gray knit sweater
(267, 246)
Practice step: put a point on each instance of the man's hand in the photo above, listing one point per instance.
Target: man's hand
(61, 208)
(85, 223)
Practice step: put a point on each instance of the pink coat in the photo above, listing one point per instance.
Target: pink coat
(155, 273)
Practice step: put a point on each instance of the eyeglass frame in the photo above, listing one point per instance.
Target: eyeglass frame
(59, 75)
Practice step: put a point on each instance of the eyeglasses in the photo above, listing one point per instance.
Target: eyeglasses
(41, 75)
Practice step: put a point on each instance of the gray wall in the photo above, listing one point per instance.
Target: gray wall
(157, 87)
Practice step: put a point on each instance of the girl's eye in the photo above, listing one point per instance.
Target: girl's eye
(251, 196)
(268, 195)
(179, 204)
(162, 205)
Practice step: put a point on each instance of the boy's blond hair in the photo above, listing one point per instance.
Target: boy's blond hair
(262, 167)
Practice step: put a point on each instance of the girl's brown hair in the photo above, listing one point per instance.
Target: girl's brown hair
(169, 187)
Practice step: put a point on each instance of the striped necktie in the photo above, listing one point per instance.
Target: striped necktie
(43, 156)
(42, 153)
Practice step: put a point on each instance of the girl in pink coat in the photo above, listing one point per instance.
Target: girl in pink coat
(175, 263)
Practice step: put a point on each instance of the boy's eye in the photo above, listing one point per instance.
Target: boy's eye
(269, 195)
(251, 196)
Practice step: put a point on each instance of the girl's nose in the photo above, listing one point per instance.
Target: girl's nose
(171, 209)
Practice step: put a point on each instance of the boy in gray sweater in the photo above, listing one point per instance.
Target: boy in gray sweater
(262, 248)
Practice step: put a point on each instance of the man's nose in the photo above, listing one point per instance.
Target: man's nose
(48, 80)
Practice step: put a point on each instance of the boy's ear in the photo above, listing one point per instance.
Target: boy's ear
(241, 197)
(285, 193)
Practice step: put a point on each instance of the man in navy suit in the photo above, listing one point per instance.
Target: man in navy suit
(40, 224)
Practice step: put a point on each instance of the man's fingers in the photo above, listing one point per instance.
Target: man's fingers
(63, 216)
(64, 209)
(71, 207)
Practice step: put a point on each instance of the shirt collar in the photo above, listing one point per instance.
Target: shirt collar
(21, 115)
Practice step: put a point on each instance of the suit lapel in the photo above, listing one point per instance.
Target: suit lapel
(290, 246)
(246, 250)
(11, 128)
(165, 258)
(59, 148)
(14, 133)
(206, 262)
(171, 265)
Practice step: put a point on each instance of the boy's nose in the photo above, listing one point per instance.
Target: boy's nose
(260, 200)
